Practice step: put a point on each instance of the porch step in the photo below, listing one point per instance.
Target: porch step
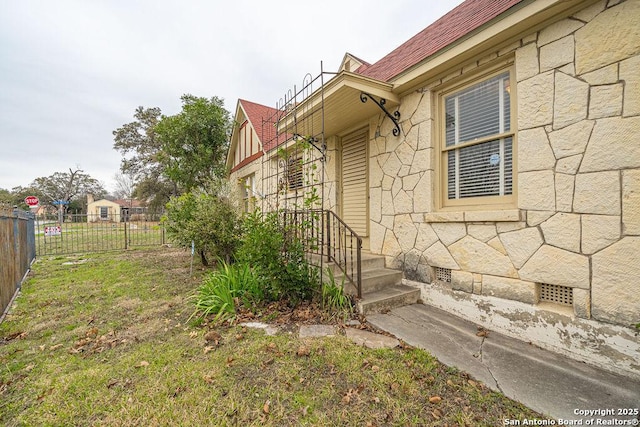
(382, 287)
(388, 298)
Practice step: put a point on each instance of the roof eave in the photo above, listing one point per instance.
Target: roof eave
(506, 28)
(340, 94)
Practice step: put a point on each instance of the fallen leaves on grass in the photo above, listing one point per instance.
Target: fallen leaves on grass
(303, 350)
(435, 399)
(92, 343)
(212, 337)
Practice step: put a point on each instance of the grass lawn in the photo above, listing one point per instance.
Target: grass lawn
(104, 339)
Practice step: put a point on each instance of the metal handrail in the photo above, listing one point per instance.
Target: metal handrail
(340, 252)
(330, 236)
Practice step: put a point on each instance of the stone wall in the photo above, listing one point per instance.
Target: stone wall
(577, 220)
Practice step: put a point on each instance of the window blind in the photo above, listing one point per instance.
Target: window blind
(480, 111)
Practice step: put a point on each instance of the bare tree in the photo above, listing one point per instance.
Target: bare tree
(125, 185)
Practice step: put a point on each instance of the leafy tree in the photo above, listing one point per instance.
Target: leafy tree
(140, 149)
(194, 142)
(5, 196)
(169, 155)
(208, 217)
(67, 186)
(137, 142)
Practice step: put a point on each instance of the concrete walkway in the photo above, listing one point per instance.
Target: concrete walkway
(546, 382)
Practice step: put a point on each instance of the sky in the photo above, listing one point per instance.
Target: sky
(73, 71)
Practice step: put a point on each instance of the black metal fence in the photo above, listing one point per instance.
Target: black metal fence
(17, 251)
(94, 233)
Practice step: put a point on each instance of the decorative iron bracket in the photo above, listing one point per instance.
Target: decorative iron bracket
(312, 141)
(364, 97)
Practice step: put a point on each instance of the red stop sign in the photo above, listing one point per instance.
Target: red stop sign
(31, 200)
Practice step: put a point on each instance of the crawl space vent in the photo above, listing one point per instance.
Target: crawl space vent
(443, 274)
(556, 294)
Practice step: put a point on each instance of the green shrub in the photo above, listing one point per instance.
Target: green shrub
(207, 217)
(277, 257)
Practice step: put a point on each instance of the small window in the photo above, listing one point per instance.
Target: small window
(294, 173)
(477, 151)
(104, 212)
(248, 192)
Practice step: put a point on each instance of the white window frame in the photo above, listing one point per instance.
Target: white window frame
(248, 192)
(104, 209)
(486, 201)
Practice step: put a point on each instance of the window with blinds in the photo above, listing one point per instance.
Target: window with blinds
(478, 147)
(294, 173)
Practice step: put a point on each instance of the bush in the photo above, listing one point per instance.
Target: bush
(277, 257)
(207, 217)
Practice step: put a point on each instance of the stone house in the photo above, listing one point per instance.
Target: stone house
(493, 158)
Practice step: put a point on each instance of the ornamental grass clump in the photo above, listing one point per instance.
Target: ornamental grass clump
(224, 288)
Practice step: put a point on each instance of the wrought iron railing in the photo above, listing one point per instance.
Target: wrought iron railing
(324, 233)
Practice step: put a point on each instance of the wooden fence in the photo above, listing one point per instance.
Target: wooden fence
(17, 251)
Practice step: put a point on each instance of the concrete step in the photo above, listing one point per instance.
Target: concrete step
(372, 280)
(388, 298)
(367, 260)
(380, 278)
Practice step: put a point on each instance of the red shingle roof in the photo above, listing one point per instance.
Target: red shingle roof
(457, 23)
(263, 120)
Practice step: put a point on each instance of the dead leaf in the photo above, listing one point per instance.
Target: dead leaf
(346, 399)
(229, 361)
(265, 407)
(482, 333)
(142, 364)
(303, 351)
(472, 383)
(193, 334)
(395, 386)
(208, 348)
(435, 399)
(450, 383)
(239, 337)
(55, 347)
(375, 368)
(208, 379)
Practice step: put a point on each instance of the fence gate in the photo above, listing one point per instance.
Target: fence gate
(94, 233)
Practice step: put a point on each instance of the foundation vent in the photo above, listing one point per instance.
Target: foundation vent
(443, 274)
(557, 294)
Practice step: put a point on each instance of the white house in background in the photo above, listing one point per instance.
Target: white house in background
(494, 159)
